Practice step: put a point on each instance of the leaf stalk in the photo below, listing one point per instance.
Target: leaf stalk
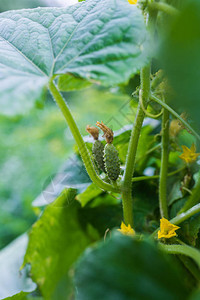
(79, 140)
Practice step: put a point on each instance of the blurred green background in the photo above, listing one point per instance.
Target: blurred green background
(35, 146)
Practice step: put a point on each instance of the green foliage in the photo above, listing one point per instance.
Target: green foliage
(53, 246)
(196, 295)
(73, 175)
(190, 230)
(180, 58)
(134, 270)
(18, 4)
(91, 192)
(70, 83)
(104, 42)
(32, 150)
(13, 281)
(105, 53)
(20, 296)
(98, 196)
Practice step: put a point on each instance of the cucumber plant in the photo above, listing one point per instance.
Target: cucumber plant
(156, 251)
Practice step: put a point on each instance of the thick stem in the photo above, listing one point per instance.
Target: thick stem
(191, 266)
(79, 140)
(182, 249)
(163, 104)
(164, 165)
(188, 263)
(164, 7)
(142, 178)
(132, 149)
(186, 215)
(193, 199)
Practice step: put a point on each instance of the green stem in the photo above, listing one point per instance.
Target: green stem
(191, 266)
(132, 149)
(154, 98)
(186, 215)
(164, 7)
(152, 149)
(193, 199)
(144, 157)
(142, 178)
(188, 263)
(182, 249)
(164, 165)
(79, 140)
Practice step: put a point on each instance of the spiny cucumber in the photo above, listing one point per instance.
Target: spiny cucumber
(97, 148)
(111, 159)
(112, 163)
(98, 153)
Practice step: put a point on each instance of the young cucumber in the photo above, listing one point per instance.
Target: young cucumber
(112, 163)
(98, 153)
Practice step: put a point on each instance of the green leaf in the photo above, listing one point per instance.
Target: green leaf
(73, 175)
(101, 217)
(55, 242)
(19, 296)
(183, 250)
(180, 58)
(125, 268)
(91, 192)
(71, 83)
(98, 40)
(12, 280)
(190, 230)
(145, 204)
(175, 192)
(195, 295)
(19, 4)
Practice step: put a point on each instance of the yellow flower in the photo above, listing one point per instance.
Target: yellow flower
(132, 1)
(126, 230)
(167, 229)
(189, 155)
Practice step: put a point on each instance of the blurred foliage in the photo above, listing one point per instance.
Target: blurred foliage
(135, 269)
(31, 149)
(179, 56)
(34, 147)
(101, 213)
(11, 259)
(61, 219)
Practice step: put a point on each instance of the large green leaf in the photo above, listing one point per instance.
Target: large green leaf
(99, 40)
(190, 230)
(72, 175)
(19, 296)
(55, 242)
(12, 280)
(124, 268)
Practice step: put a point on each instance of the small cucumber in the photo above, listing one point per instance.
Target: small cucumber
(112, 163)
(98, 153)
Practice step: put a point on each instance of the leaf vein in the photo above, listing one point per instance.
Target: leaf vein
(24, 56)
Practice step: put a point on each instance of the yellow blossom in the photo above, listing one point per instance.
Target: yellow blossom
(167, 229)
(189, 155)
(126, 230)
(132, 1)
